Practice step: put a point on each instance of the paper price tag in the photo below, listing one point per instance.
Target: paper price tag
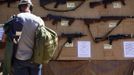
(112, 25)
(117, 5)
(71, 5)
(69, 44)
(107, 46)
(64, 22)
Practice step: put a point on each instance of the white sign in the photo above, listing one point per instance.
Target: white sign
(64, 23)
(84, 49)
(112, 24)
(71, 5)
(107, 46)
(128, 48)
(117, 5)
(69, 44)
(1, 32)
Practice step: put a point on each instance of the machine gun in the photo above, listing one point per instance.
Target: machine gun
(88, 22)
(8, 2)
(70, 37)
(55, 19)
(105, 3)
(112, 38)
(43, 4)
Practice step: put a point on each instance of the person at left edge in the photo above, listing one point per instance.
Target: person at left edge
(21, 64)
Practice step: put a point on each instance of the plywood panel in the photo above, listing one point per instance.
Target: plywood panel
(98, 29)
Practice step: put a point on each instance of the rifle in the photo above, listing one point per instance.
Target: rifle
(8, 2)
(55, 19)
(112, 38)
(44, 3)
(105, 3)
(88, 22)
(70, 37)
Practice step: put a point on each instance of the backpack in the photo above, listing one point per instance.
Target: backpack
(46, 42)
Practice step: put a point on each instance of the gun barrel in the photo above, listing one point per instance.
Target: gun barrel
(105, 3)
(114, 37)
(73, 35)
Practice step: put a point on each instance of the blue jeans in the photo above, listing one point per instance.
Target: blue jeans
(25, 67)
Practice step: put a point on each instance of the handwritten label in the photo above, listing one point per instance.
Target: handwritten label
(71, 5)
(69, 44)
(64, 23)
(112, 24)
(107, 46)
(117, 5)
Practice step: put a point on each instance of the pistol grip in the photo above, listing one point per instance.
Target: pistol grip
(56, 5)
(105, 5)
(110, 42)
(70, 22)
(123, 2)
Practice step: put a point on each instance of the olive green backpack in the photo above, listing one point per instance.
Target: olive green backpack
(46, 42)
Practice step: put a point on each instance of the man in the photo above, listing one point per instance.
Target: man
(21, 64)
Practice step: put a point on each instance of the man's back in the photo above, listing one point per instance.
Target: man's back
(25, 46)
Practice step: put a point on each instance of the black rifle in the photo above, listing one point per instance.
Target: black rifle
(8, 2)
(55, 19)
(43, 4)
(88, 22)
(112, 38)
(70, 37)
(105, 2)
